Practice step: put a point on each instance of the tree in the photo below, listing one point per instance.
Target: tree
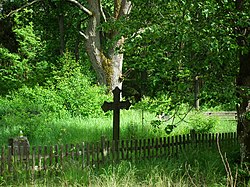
(101, 47)
(107, 63)
(242, 30)
(180, 40)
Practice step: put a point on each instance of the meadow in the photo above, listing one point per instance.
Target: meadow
(201, 167)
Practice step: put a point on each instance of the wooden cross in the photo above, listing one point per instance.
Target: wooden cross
(116, 106)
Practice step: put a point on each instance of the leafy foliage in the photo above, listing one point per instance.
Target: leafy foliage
(23, 67)
(68, 93)
(176, 41)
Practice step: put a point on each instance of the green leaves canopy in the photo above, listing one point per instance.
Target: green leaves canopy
(174, 41)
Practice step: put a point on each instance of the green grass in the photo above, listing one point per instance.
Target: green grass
(75, 130)
(198, 168)
(132, 125)
(201, 167)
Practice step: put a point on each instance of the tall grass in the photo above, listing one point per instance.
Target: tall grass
(196, 168)
(132, 125)
(200, 167)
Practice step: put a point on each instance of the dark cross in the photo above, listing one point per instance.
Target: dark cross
(116, 106)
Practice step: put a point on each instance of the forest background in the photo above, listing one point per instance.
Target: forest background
(59, 59)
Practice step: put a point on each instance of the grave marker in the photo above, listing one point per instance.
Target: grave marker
(116, 105)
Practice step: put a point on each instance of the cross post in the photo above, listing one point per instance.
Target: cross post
(116, 105)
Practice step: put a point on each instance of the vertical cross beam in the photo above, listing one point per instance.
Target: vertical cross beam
(116, 105)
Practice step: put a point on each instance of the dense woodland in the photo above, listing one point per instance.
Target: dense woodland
(62, 57)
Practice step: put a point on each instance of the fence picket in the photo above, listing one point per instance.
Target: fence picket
(172, 146)
(83, 154)
(45, 158)
(9, 158)
(39, 158)
(156, 147)
(93, 155)
(160, 147)
(61, 156)
(127, 150)
(97, 155)
(176, 143)
(164, 146)
(144, 149)
(103, 149)
(136, 149)
(122, 150)
(140, 149)
(2, 160)
(148, 148)
(66, 151)
(87, 154)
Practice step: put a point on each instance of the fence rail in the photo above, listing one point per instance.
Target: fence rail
(230, 115)
(47, 158)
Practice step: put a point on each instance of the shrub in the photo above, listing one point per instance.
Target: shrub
(79, 95)
(202, 124)
(32, 110)
(29, 109)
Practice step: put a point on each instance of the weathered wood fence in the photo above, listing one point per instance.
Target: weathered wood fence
(228, 115)
(47, 158)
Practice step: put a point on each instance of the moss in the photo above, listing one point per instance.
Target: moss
(117, 8)
(108, 69)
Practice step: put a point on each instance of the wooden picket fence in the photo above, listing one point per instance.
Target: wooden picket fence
(40, 159)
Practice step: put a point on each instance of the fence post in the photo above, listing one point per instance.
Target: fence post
(103, 149)
(164, 146)
(156, 147)
(2, 160)
(87, 154)
(149, 147)
(83, 154)
(45, 158)
(9, 159)
(127, 150)
(39, 160)
(61, 155)
(144, 149)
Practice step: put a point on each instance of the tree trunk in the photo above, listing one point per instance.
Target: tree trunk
(61, 30)
(243, 128)
(77, 43)
(107, 64)
(243, 85)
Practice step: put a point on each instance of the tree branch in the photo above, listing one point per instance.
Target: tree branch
(102, 12)
(84, 9)
(84, 35)
(125, 9)
(21, 8)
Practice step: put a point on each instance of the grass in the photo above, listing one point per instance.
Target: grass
(201, 167)
(132, 125)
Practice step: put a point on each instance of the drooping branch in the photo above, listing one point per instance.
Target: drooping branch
(21, 8)
(84, 35)
(102, 12)
(79, 5)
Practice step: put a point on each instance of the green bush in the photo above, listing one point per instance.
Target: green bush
(67, 93)
(79, 95)
(202, 124)
(29, 109)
